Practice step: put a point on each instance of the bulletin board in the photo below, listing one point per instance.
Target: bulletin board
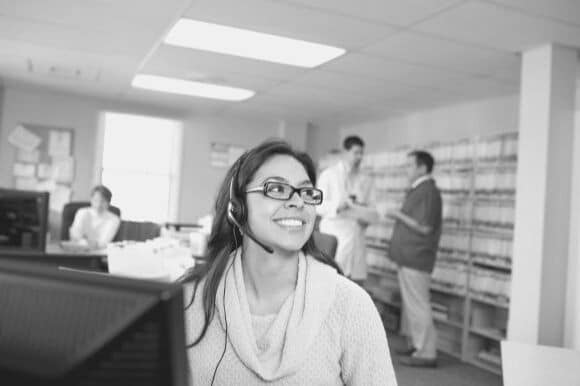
(43, 161)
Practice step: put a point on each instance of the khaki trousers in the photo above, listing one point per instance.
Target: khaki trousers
(416, 318)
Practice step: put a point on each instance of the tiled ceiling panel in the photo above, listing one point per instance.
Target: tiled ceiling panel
(395, 12)
(291, 21)
(494, 26)
(441, 52)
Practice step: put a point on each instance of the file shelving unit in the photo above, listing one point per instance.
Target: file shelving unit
(470, 282)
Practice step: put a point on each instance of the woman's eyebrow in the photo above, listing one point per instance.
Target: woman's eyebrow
(275, 178)
(305, 182)
(282, 179)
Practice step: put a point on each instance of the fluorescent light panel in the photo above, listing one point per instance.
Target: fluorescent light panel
(249, 44)
(186, 87)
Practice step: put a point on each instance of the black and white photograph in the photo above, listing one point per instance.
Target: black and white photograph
(289, 192)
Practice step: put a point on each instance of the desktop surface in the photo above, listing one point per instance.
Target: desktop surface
(55, 255)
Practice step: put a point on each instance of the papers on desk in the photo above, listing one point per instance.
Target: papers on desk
(535, 365)
(158, 259)
(75, 246)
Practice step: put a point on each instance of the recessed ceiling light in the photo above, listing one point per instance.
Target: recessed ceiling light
(250, 44)
(187, 87)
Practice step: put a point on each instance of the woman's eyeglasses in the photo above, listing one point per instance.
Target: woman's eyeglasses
(283, 192)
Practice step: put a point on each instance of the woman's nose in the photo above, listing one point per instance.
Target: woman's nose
(295, 201)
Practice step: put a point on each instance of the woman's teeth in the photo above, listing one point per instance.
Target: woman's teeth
(289, 222)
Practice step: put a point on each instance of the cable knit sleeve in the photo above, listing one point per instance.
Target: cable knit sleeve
(366, 360)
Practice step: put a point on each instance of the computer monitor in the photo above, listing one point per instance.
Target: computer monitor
(61, 327)
(23, 220)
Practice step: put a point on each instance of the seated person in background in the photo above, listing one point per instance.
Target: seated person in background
(95, 226)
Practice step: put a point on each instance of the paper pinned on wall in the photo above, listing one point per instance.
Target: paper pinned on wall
(28, 156)
(26, 183)
(46, 186)
(59, 143)
(219, 155)
(63, 169)
(59, 196)
(224, 155)
(24, 139)
(23, 170)
(45, 171)
(234, 153)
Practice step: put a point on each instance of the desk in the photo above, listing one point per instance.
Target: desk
(534, 365)
(55, 255)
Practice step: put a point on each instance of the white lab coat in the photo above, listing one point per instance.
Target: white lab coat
(336, 187)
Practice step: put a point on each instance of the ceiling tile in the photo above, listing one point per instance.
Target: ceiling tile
(395, 12)
(430, 50)
(92, 15)
(106, 27)
(565, 10)
(388, 69)
(264, 108)
(371, 88)
(64, 37)
(498, 27)
(200, 65)
(184, 102)
(318, 95)
(289, 20)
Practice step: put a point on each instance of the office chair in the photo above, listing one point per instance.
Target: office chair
(138, 231)
(68, 216)
(326, 243)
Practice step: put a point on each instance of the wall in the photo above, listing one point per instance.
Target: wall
(320, 139)
(464, 120)
(40, 106)
(199, 180)
(294, 132)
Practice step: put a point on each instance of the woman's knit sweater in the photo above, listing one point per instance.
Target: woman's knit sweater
(327, 333)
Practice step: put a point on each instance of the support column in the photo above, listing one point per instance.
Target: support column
(543, 204)
(572, 319)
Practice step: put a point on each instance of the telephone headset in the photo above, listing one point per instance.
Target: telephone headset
(237, 212)
(236, 217)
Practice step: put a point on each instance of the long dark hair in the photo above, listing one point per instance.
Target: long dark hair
(225, 237)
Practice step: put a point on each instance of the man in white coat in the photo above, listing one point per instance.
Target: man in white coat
(345, 210)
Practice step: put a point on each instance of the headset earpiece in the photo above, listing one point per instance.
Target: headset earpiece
(236, 210)
(237, 213)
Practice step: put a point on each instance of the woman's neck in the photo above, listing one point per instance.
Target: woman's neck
(269, 278)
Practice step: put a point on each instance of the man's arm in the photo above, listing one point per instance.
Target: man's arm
(109, 232)
(426, 216)
(410, 222)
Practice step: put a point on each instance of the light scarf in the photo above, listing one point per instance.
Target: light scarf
(295, 326)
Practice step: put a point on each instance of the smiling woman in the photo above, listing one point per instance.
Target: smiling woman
(271, 308)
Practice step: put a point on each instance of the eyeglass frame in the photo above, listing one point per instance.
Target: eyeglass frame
(264, 189)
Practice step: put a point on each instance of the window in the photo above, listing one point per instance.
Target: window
(140, 164)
